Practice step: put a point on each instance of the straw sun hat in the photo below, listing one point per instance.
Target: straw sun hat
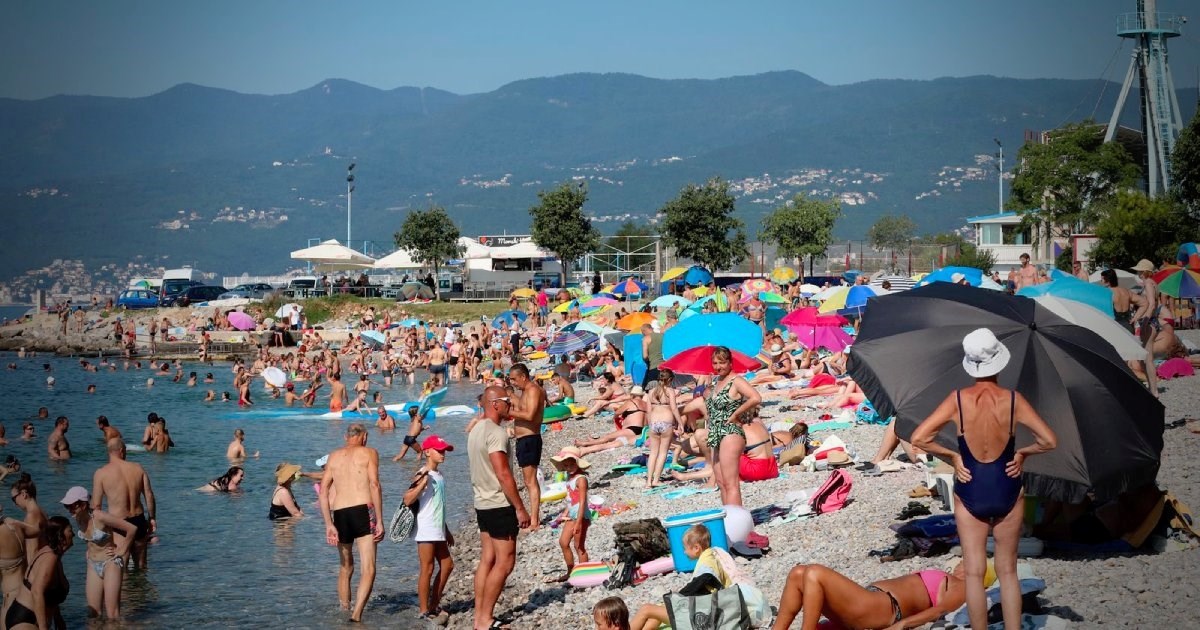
(983, 354)
(570, 452)
(285, 471)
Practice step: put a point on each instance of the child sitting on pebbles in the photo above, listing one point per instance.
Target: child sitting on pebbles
(715, 562)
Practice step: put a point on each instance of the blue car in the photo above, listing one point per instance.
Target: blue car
(137, 298)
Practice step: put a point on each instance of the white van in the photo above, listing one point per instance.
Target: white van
(176, 281)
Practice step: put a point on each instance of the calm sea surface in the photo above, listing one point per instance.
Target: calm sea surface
(219, 562)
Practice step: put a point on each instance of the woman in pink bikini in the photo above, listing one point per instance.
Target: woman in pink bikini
(908, 601)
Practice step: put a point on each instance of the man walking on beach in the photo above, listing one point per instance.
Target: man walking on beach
(498, 509)
(352, 474)
(527, 428)
(124, 484)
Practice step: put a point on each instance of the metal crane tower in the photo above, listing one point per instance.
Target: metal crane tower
(1161, 121)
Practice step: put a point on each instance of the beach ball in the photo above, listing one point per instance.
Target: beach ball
(738, 523)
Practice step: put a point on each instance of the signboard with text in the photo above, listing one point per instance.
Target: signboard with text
(503, 240)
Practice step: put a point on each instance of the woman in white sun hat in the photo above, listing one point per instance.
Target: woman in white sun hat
(987, 469)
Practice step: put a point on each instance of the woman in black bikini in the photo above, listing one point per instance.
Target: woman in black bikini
(44, 583)
(283, 502)
(225, 483)
(630, 420)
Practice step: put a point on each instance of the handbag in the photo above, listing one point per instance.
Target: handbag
(402, 522)
(723, 610)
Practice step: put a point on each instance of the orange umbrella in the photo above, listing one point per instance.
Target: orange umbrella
(634, 321)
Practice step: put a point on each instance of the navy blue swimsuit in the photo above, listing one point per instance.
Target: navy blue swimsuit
(990, 494)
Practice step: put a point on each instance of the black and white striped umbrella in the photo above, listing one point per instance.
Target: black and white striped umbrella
(898, 283)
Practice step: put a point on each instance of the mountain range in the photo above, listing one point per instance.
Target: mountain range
(174, 176)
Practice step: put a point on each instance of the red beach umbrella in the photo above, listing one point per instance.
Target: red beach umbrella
(698, 360)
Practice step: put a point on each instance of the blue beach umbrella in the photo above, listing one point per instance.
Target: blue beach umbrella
(509, 317)
(713, 329)
(570, 341)
(1071, 288)
(697, 275)
(946, 274)
(667, 301)
(373, 338)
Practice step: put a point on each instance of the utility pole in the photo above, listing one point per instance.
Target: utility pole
(1000, 185)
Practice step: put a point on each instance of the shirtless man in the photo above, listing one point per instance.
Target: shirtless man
(437, 365)
(57, 446)
(125, 484)
(289, 396)
(526, 413)
(1027, 275)
(337, 393)
(385, 422)
(236, 452)
(352, 476)
(110, 432)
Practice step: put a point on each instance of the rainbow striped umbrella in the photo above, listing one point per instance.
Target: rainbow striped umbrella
(756, 285)
(1183, 283)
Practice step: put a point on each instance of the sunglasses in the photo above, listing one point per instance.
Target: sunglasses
(499, 398)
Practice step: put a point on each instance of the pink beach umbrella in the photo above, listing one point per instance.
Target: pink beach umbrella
(241, 321)
(599, 301)
(831, 337)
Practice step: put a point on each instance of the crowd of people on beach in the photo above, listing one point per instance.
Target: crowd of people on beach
(703, 425)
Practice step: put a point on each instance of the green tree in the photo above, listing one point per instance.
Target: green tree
(970, 256)
(1137, 227)
(1065, 185)
(560, 225)
(631, 247)
(700, 225)
(1185, 168)
(430, 237)
(892, 232)
(801, 227)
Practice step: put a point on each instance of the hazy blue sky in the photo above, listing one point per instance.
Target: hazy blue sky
(135, 48)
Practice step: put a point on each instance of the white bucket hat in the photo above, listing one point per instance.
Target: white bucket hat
(983, 354)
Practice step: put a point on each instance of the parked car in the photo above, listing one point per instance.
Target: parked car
(172, 288)
(193, 295)
(137, 298)
(256, 290)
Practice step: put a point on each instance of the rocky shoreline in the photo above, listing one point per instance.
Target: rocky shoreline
(1134, 590)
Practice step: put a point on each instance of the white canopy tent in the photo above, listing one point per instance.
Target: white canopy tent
(333, 256)
(473, 249)
(399, 259)
(526, 249)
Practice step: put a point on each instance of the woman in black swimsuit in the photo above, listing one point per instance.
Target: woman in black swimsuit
(631, 421)
(283, 502)
(44, 582)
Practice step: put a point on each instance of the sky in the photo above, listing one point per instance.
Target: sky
(135, 48)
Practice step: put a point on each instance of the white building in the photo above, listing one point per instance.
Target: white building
(1003, 235)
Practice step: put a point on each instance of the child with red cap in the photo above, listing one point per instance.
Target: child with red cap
(428, 492)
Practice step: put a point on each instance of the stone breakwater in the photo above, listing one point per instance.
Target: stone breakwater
(1132, 591)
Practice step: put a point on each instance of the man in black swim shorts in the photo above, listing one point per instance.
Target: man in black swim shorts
(498, 508)
(527, 414)
(352, 475)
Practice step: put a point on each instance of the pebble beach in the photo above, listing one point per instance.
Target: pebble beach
(1120, 591)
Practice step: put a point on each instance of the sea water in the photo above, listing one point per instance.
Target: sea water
(219, 562)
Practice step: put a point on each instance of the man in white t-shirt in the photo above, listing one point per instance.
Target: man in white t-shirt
(433, 537)
(498, 508)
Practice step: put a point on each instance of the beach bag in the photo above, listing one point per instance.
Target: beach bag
(402, 523)
(793, 456)
(833, 494)
(646, 537)
(723, 610)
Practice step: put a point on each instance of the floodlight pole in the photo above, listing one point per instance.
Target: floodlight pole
(1000, 186)
(349, 199)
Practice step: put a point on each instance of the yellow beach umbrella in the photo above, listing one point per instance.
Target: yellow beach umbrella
(835, 301)
(524, 293)
(674, 272)
(783, 275)
(700, 291)
(564, 307)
